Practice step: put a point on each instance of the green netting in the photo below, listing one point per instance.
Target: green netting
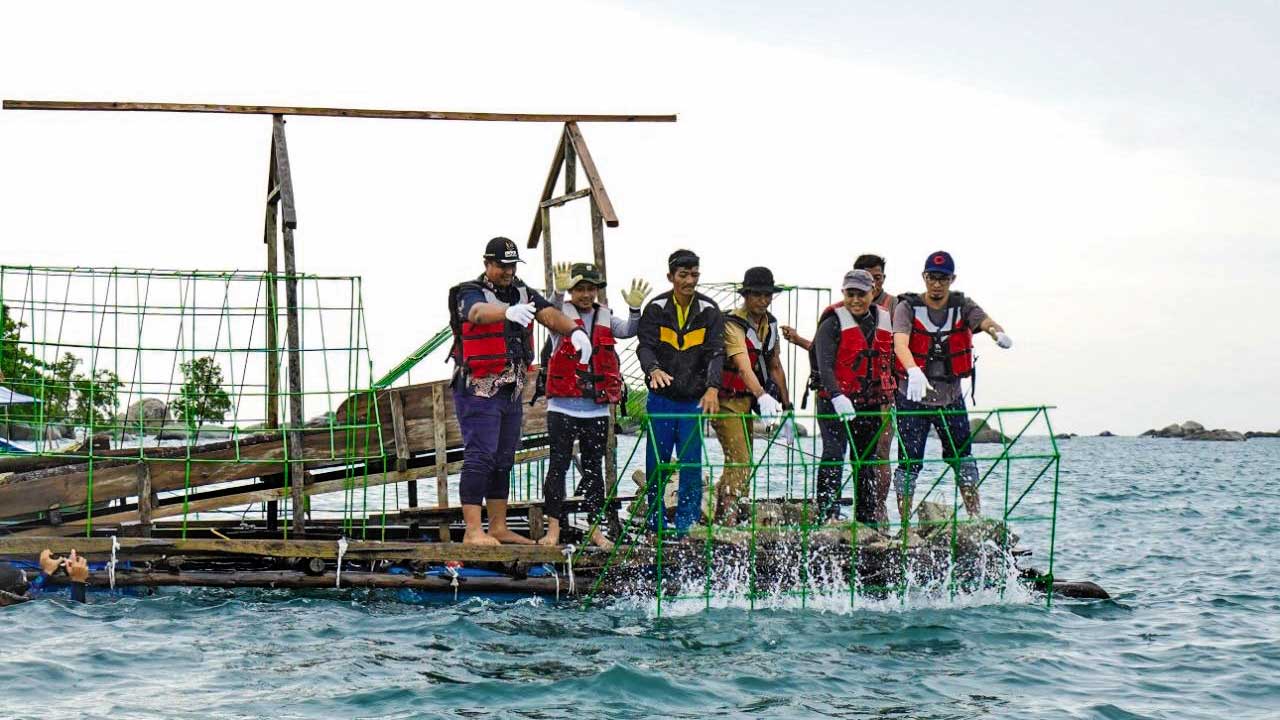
(782, 549)
(172, 366)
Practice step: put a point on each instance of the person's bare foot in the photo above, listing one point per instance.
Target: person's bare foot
(479, 537)
(508, 536)
(552, 536)
(599, 539)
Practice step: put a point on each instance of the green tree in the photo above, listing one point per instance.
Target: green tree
(78, 398)
(19, 369)
(202, 398)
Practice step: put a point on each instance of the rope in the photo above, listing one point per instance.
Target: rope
(111, 567)
(342, 550)
(453, 573)
(568, 551)
(552, 569)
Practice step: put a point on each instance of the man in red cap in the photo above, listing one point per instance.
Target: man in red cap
(492, 321)
(933, 345)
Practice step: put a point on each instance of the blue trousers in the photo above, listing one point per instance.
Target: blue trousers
(682, 436)
(914, 431)
(490, 436)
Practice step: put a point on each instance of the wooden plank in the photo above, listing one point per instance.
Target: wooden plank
(548, 262)
(598, 194)
(270, 234)
(567, 198)
(326, 112)
(397, 426)
(293, 579)
(28, 547)
(145, 498)
(548, 187)
(283, 174)
(536, 527)
(439, 427)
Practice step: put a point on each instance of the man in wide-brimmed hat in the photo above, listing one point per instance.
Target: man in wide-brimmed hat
(753, 376)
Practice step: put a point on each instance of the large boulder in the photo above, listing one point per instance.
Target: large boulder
(1106, 433)
(981, 432)
(151, 412)
(1191, 427)
(1261, 434)
(1171, 431)
(1219, 435)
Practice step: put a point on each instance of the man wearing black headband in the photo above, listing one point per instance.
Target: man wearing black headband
(681, 350)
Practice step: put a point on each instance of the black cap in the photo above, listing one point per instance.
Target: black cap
(502, 250)
(758, 280)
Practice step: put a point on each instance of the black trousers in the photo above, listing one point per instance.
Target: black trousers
(865, 433)
(591, 436)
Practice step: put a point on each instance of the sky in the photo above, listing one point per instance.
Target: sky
(1106, 177)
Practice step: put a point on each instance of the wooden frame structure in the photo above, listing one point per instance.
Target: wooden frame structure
(431, 410)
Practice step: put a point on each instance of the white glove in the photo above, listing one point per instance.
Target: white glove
(917, 385)
(769, 407)
(843, 407)
(582, 344)
(1003, 340)
(520, 314)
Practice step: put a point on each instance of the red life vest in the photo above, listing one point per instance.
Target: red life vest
(863, 371)
(759, 352)
(484, 349)
(951, 343)
(567, 378)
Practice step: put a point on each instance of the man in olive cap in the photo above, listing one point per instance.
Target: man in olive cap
(580, 394)
(753, 376)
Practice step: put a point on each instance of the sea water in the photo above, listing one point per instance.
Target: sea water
(1184, 535)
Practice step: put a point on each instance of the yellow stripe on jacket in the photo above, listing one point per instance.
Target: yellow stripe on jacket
(692, 339)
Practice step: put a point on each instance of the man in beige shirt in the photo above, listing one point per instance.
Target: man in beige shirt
(753, 375)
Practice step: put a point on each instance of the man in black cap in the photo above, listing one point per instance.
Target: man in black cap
(681, 350)
(753, 375)
(492, 321)
(933, 345)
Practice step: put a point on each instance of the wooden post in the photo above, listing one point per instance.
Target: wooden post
(536, 526)
(271, 420)
(402, 448)
(145, 498)
(611, 438)
(293, 336)
(439, 423)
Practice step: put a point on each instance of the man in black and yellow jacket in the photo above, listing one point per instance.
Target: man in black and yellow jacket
(681, 350)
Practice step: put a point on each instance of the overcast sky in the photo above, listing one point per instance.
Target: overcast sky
(1106, 178)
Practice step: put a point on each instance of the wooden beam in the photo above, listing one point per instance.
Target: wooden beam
(598, 194)
(325, 112)
(281, 152)
(548, 187)
(29, 547)
(145, 498)
(294, 579)
(567, 197)
(270, 236)
(441, 422)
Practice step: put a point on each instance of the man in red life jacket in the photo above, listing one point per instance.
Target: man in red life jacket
(492, 321)
(579, 396)
(933, 346)
(875, 265)
(851, 359)
(752, 374)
